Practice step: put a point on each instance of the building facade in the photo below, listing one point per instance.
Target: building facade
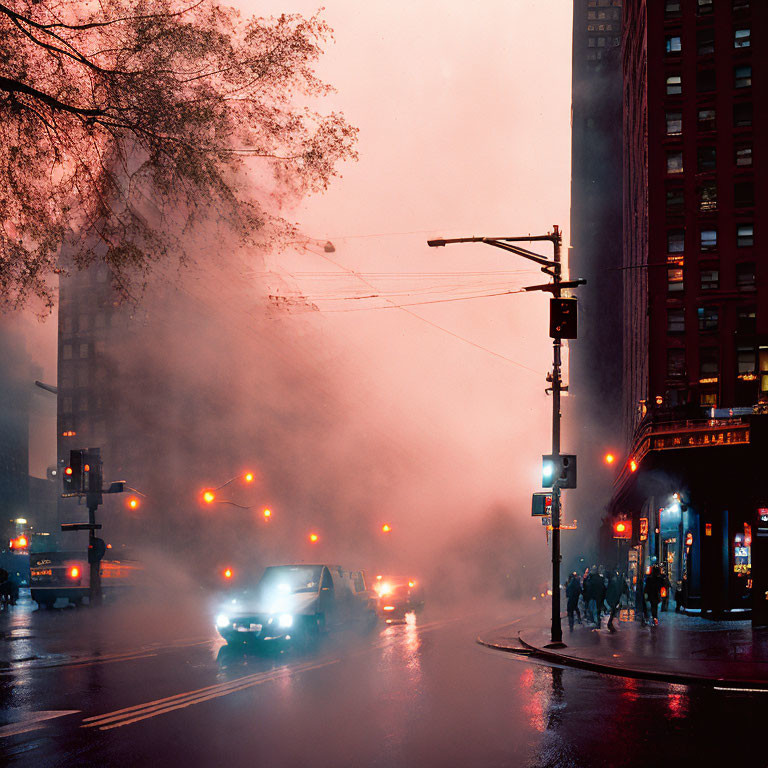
(695, 291)
(595, 245)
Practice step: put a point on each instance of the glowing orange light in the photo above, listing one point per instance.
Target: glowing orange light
(227, 573)
(68, 471)
(248, 477)
(267, 514)
(411, 583)
(379, 577)
(313, 537)
(389, 607)
(87, 467)
(74, 572)
(386, 528)
(133, 502)
(632, 466)
(109, 546)
(620, 527)
(209, 497)
(609, 458)
(22, 541)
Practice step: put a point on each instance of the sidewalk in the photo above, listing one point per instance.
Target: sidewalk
(682, 649)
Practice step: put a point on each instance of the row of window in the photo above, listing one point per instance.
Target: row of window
(709, 278)
(603, 3)
(708, 320)
(68, 406)
(83, 351)
(706, 118)
(674, 8)
(603, 42)
(84, 322)
(750, 360)
(745, 238)
(610, 13)
(706, 197)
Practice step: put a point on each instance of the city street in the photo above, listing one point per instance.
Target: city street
(81, 687)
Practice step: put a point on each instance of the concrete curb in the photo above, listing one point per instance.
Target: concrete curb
(591, 665)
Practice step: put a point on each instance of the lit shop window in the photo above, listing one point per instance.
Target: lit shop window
(742, 38)
(674, 123)
(674, 85)
(706, 120)
(743, 154)
(673, 45)
(675, 241)
(746, 362)
(708, 399)
(710, 279)
(674, 162)
(742, 76)
(708, 318)
(745, 277)
(708, 240)
(745, 235)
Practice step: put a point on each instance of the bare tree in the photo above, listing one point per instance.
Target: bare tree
(125, 122)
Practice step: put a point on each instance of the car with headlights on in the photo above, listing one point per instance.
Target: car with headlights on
(295, 604)
(398, 598)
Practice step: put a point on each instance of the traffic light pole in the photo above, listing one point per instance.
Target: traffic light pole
(553, 268)
(94, 597)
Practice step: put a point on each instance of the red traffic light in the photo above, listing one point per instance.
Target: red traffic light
(68, 471)
(622, 529)
(313, 537)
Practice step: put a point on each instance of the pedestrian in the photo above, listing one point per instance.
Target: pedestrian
(641, 611)
(653, 586)
(593, 593)
(681, 594)
(572, 593)
(665, 590)
(617, 586)
(601, 593)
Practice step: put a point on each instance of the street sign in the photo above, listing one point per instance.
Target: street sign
(643, 529)
(547, 521)
(80, 526)
(541, 504)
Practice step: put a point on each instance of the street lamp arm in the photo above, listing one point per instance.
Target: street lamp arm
(504, 244)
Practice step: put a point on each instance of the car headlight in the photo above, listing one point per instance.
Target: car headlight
(285, 620)
(222, 620)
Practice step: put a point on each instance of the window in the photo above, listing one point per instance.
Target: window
(674, 123)
(746, 362)
(705, 80)
(82, 376)
(100, 348)
(745, 235)
(742, 76)
(675, 200)
(66, 352)
(675, 241)
(742, 114)
(706, 159)
(674, 85)
(709, 365)
(675, 321)
(705, 41)
(705, 7)
(591, 15)
(601, 42)
(66, 325)
(707, 197)
(740, 5)
(743, 155)
(675, 363)
(708, 399)
(708, 239)
(706, 120)
(591, 42)
(710, 279)
(83, 322)
(746, 321)
(672, 9)
(744, 194)
(742, 38)
(674, 162)
(83, 350)
(673, 45)
(675, 279)
(745, 276)
(708, 317)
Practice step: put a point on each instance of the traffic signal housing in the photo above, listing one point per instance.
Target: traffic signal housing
(562, 318)
(622, 529)
(560, 469)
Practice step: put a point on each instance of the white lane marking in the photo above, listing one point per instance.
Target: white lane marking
(130, 715)
(149, 709)
(740, 690)
(34, 721)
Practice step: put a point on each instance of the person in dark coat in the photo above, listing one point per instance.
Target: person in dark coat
(601, 593)
(617, 586)
(572, 592)
(653, 584)
(665, 591)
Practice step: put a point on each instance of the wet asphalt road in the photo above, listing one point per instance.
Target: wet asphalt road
(147, 686)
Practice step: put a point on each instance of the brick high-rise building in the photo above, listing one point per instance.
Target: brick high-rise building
(696, 289)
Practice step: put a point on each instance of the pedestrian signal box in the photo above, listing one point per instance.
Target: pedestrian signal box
(541, 504)
(562, 318)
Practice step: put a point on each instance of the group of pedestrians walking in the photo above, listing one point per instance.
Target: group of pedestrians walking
(598, 593)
